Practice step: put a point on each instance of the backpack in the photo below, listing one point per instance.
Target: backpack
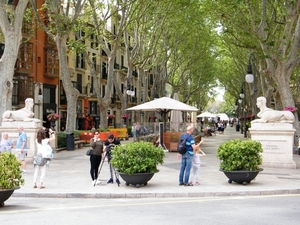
(181, 147)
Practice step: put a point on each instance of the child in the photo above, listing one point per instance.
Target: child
(195, 173)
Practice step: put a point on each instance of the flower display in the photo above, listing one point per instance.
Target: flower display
(111, 116)
(290, 108)
(53, 116)
(125, 116)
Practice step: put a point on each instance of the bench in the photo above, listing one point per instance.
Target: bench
(78, 143)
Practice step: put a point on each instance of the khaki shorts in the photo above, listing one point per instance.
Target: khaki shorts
(21, 156)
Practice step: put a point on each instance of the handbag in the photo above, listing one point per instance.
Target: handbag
(89, 152)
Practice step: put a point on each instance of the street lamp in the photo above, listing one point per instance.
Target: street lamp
(40, 94)
(129, 92)
(242, 96)
(251, 78)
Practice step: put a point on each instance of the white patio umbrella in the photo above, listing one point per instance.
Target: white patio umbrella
(223, 116)
(163, 105)
(206, 114)
(176, 116)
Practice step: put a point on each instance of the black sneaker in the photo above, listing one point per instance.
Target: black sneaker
(110, 181)
(180, 184)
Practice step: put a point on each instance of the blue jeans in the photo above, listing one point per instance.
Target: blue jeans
(186, 165)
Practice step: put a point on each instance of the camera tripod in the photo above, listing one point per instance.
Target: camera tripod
(111, 168)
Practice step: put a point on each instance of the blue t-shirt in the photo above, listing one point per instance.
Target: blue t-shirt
(22, 137)
(189, 142)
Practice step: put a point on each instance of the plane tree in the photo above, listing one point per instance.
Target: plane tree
(11, 20)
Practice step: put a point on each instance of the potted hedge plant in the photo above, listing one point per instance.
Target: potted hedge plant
(10, 176)
(240, 160)
(136, 162)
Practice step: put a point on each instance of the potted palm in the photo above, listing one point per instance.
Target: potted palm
(10, 176)
(136, 162)
(240, 160)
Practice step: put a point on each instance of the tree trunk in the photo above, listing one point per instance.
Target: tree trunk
(71, 92)
(12, 35)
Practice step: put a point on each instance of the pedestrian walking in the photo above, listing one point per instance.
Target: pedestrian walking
(138, 129)
(133, 131)
(21, 148)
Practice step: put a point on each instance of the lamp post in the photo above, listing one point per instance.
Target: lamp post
(251, 78)
(242, 96)
(237, 115)
(245, 126)
(129, 92)
(241, 113)
(40, 97)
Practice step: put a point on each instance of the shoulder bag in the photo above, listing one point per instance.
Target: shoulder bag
(89, 152)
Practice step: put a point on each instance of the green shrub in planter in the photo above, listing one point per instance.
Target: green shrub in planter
(10, 172)
(240, 155)
(137, 157)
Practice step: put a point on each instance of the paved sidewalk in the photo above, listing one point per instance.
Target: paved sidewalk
(68, 177)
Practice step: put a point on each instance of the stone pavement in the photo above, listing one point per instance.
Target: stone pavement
(68, 177)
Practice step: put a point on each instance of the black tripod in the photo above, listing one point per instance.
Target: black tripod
(111, 168)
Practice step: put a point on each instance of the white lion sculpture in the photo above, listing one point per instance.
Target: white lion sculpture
(268, 115)
(25, 114)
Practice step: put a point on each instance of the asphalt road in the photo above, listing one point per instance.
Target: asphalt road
(246, 210)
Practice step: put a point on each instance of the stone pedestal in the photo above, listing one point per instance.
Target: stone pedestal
(30, 129)
(277, 141)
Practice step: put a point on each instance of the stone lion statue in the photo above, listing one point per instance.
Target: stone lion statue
(268, 115)
(24, 114)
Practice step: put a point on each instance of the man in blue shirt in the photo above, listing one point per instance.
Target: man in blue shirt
(22, 148)
(186, 161)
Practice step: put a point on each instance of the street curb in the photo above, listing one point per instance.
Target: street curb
(155, 195)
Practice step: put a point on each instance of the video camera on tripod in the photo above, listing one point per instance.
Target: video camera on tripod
(108, 151)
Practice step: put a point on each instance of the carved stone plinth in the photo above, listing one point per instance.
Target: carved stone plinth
(277, 141)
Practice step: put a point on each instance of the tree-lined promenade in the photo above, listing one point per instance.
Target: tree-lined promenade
(192, 46)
